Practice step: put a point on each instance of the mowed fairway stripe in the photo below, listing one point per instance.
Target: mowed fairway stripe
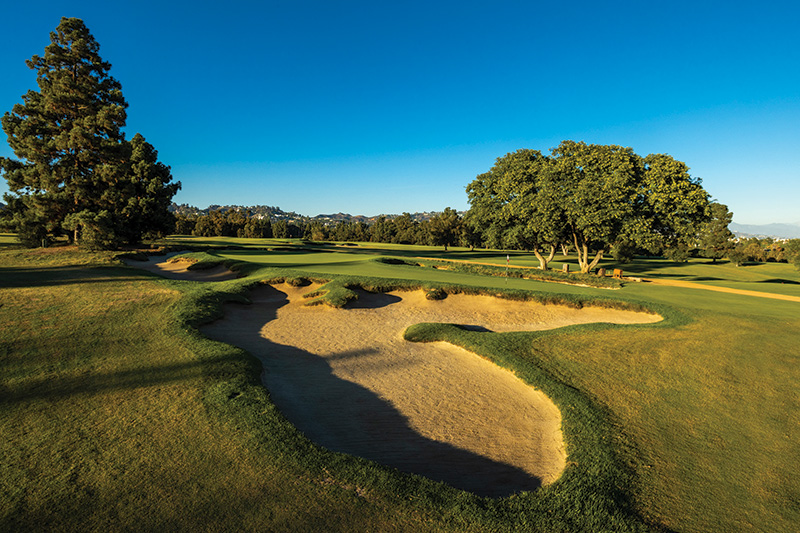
(743, 292)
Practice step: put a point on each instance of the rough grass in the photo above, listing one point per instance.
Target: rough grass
(118, 415)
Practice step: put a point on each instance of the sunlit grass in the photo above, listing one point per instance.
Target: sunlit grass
(711, 409)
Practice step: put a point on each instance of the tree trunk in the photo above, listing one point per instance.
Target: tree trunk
(542, 259)
(552, 253)
(583, 255)
(594, 262)
(582, 251)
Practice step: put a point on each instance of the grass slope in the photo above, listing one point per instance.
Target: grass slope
(118, 415)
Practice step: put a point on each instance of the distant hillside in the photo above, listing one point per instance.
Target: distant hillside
(346, 217)
(276, 213)
(261, 211)
(776, 231)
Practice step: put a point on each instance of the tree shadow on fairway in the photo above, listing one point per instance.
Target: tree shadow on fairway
(346, 417)
(11, 277)
(651, 267)
(75, 383)
(780, 281)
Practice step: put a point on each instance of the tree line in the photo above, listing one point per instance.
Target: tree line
(755, 250)
(443, 229)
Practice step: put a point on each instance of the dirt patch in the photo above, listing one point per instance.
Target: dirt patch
(159, 264)
(349, 381)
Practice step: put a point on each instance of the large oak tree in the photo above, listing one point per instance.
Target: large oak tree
(512, 209)
(591, 196)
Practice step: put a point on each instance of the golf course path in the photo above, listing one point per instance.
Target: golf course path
(744, 292)
(160, 264)
(349, 381)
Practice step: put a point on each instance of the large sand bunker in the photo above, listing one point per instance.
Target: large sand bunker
(349, 381)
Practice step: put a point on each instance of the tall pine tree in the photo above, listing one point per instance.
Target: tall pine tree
(144, 193)
(76, 173)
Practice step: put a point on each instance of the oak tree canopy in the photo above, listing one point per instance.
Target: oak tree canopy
(590, 196)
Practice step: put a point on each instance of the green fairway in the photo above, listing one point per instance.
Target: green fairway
(8, 239)
(118, 415)
(779, 278)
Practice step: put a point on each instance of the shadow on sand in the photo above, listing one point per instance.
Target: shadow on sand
(372, 300)
(346, 417)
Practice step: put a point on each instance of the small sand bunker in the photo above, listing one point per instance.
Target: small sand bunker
(159, 264)
(349, 381)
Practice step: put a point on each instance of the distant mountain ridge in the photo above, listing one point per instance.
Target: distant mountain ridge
(261, 211)
(346, 217)
(776, 231)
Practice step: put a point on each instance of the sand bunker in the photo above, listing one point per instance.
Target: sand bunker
(348, 380)
(159, 264)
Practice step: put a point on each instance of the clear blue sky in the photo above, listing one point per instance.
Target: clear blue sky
(384, 107)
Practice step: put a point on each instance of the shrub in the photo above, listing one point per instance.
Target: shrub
(435, 294)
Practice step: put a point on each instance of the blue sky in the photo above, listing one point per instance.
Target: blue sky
(385, 107)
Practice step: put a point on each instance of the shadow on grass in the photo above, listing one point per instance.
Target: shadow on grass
(64, 386)
(262, 258)
(345, 417)
(780, 281)
(11, 277)
(654, 268)
(468, 327)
